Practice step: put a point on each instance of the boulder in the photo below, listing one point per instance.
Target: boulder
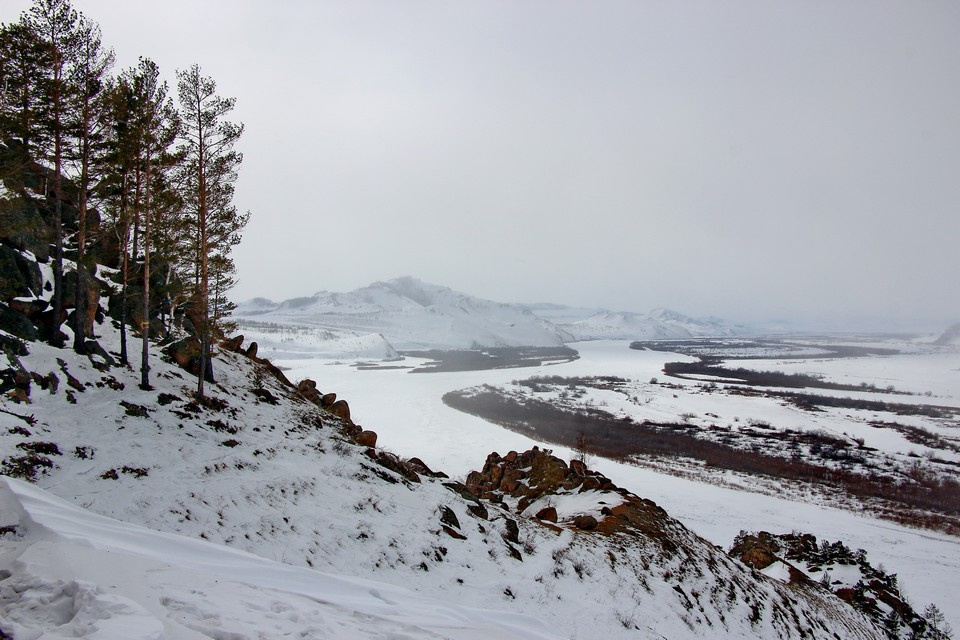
(585, 522)
(232, 344)
(22, 225)
(17, 324)
(30, 308)
(512, 534)
(341, 409)
(251, 351)
(328, 399)
(367, 439)
(18, 276)
(547, 513)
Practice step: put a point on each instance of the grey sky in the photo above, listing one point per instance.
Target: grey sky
(751, 160)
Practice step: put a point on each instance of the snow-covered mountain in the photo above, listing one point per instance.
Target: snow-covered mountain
(949, 337)
(406, 313)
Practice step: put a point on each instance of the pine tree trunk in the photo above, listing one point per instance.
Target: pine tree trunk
(145, 323)
(124, 267)
(79, 307)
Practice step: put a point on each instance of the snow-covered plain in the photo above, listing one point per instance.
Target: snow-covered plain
(407, 412)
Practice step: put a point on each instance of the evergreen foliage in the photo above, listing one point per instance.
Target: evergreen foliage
(117, 170)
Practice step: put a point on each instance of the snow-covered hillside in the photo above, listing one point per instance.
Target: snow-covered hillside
(262, 469)
(659, 324)
(408, 314)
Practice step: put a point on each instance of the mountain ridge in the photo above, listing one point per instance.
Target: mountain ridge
(411, 314)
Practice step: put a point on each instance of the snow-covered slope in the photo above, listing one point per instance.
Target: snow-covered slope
(659, 324)
(71, 573)
(949, 337)
(261, 469)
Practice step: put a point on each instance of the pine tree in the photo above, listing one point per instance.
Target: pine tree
(23, 59)
(55, 22)
(156, 130)
(120, 159)
(209, 171)
(90, 70)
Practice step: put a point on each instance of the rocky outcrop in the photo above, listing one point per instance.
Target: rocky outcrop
(845, 572)
(531, 475)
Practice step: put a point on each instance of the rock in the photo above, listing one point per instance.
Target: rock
(251, 351)
(478, 510)
(12, 345)
(232, 344)
(448, 517)
(17, 324)
(30, 308)
(22, 225)
(473, 483)
(421, 467)
(308, 389)
(585, 522)
(184, 351)
(367, 439)
(341, 409)
(328, 399)
(390, 461)
(513, 531)
(578, 467)
(548, 513)
(18, 276)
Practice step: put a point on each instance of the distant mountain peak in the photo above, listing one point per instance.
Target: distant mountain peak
(412, 314)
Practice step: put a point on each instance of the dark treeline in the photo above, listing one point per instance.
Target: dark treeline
(707, 367)
(117, 169)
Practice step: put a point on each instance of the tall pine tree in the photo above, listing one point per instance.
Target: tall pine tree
(209, 171)
(56, 24)
(90, 73)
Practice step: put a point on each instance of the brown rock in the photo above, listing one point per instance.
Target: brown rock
(327, 399)
(341, 409)
(232, 344)
(251, 351)
(474, 482)
(367, 439)
(478, 510)
(548, 513)
(585, 522)
(578, 467)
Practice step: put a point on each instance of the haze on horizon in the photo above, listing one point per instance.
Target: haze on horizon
(748, 160)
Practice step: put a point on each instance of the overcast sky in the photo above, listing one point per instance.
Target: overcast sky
(750, 160)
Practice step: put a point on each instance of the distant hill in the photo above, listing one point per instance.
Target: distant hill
(949, 337)
(409, 314)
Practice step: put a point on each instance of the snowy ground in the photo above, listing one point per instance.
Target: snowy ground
(77, 574)
(406, 410)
